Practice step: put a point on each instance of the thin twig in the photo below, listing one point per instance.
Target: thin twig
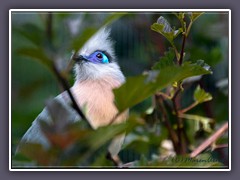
(188, 108)
(166, 96)
(67, 88)
(182, 50)
(210, 140)
(189, 27)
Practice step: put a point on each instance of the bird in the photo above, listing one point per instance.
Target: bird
(97, 73)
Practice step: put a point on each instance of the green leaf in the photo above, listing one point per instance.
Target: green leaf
(110, 131)
(37, 153)
(138, 88)
(201, 96)
(195, 15)
(204, 120)
(37, 54)
(166, 60)
(167, 27)
(143, 161)
(102, 162)
(32, 32)
(170, 36)
(163, 27)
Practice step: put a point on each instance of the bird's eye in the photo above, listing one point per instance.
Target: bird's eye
(99, 55)
(102, 57)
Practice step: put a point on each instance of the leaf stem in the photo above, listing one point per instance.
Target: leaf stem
(188, 108)
(188, 29)
(175, 50)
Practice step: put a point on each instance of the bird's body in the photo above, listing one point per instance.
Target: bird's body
(97, 73)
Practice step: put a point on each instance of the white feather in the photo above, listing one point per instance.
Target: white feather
(99, 41)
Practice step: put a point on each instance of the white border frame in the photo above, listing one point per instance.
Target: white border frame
(118, 10)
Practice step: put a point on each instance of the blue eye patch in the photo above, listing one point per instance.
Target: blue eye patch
(99, 57)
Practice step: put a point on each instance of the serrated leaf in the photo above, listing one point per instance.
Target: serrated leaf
(201, 96)
(163, 27)
(166, 26)
(138, 88)
(166, 60)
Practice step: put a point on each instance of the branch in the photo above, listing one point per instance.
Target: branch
(180, 130)
(219, 146)
(67, 88)
(165, 119)
(210, 140)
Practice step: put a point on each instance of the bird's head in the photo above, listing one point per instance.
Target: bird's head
(96, 59)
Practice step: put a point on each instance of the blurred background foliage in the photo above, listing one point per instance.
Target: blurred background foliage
(138, 48)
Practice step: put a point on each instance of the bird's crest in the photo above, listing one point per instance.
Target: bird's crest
(99, 41)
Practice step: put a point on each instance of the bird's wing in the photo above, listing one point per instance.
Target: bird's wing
(35, 135)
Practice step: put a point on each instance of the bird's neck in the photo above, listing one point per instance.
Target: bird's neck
(104, 82)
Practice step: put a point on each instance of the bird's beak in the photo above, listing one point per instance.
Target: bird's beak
(79, 58)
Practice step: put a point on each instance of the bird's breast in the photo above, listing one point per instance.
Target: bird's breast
(97, 98)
